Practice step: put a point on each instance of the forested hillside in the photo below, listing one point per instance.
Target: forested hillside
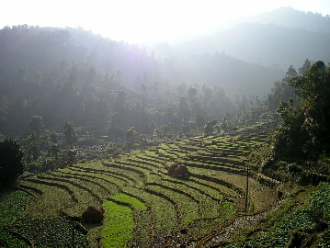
(92, 81)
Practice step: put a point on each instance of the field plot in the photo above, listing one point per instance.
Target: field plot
(11, 206)
(123, 211)
(119, 223)
(143, 205)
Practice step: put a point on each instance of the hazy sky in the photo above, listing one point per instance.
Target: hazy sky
(142, 20)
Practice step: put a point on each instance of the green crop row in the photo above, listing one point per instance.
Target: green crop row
(141, 236)
(118, 179)
(186, 204)
(50, 203)
(161, 210)
(98, 188)
(58, 232)
(138, 205)
(117, 232)
(203, 189)
(12, 205)
(104, 182)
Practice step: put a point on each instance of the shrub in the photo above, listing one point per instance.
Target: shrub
(35, 165)
(11, 158)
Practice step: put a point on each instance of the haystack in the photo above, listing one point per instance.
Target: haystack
(172, 168)
(181, 172)
(92, 215)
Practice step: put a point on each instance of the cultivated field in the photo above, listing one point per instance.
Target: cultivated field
(143, 205)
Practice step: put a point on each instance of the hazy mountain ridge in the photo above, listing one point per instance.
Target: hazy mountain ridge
(292, 18)
(281, 37)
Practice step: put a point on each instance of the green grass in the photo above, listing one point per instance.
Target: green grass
(141, 236)
(164, 146)
(193, 184)
(279, 227)
(221, 188)
(12, 205)
(166, 153)
(120, 181)
(50, 232)
(138, 205)
(118, 225)
(162, 209)
(137, 214)
(102, 181)
(82, 191)
(50, 203)
(186, 204)
(173, 146)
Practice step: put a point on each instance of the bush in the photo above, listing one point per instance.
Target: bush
(35, 165)
(11, 166)
(319, 205)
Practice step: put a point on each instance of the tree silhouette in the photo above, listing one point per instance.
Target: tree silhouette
(36, 124)
(69, 132)
(11, 165)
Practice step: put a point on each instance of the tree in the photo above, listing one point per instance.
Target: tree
(314, 88)
(162, 130)
(192, 92)
(305, 67)
(11, 165)
(304, 131)
(69, 132)
(200, 121)
(130, 135)
(184, 111)
(55, 149)
(226, 123)
(31, 146)
(34, 143)
(291, 72)
(36, 124)
(53, 137)
(209, 127)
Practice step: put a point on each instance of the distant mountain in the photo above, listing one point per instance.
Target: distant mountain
(276, 39)
(292, 18)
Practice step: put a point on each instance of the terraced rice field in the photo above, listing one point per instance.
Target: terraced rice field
(143, 205)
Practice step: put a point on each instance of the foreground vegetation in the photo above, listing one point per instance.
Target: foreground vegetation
(144, 206)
